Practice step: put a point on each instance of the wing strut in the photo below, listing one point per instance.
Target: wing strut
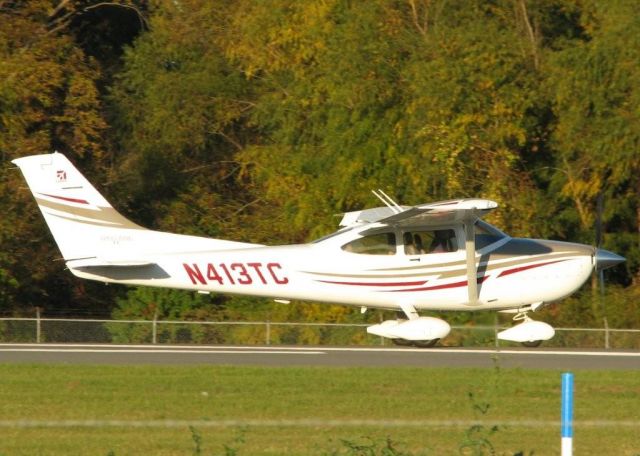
(472, 271)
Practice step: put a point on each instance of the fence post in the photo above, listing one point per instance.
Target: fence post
(606, 333)
(38, 326)
(495, 330)
(154, 328)
(268, 331)
(566, 433)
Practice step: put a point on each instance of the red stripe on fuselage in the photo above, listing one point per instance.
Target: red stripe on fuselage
(377, 284)
(525, 268)
(444, 286)
(63, 198)
(481, 279)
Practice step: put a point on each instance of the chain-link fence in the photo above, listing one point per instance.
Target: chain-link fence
(59, 330)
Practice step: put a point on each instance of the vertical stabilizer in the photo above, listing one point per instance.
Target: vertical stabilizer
(78, 216)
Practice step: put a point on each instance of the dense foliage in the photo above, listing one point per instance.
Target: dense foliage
(260, 121)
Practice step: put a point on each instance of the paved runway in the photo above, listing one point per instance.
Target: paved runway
(318, 356)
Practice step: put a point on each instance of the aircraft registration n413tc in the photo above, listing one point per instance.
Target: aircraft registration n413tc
(431, 257)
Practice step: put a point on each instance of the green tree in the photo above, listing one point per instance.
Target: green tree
(596, 103)
(260, 121)
(427, 101)
(48, 101)
(179, 111)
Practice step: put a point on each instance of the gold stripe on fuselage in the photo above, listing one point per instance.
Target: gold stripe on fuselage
(484, 268)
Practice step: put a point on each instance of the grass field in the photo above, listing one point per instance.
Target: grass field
(213, 410)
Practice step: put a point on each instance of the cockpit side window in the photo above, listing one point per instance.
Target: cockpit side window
(374, 244)
(429, 241)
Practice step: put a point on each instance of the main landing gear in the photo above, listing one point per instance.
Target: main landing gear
(416, 343)
(425, 332)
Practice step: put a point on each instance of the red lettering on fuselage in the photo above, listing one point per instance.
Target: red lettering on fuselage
(243, 276)
(212, 274)
(194, 274)
(236, 273)
(227, 273)
(256, 267)
(278, 280)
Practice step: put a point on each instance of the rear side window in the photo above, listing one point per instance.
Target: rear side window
(374, 244)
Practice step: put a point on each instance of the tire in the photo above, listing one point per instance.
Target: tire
(425, 343)
(531, 343)
(402, 342)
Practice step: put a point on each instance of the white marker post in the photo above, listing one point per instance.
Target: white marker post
(567, 415)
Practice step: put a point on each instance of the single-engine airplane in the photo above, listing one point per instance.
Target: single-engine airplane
(432, 257)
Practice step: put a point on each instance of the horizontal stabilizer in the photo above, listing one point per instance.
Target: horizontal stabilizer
(102, 262)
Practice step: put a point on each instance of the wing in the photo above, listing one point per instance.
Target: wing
(443, 212)
(465, 211)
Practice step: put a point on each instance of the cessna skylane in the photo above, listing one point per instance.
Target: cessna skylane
(432, 257)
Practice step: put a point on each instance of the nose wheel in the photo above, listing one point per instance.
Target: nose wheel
(531, 343)
(522, 316)
(529, 333)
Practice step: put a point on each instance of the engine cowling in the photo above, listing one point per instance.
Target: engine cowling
(421, 328)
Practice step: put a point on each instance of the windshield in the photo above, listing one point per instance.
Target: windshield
(487, 234)
(373, 244)
(335, 233)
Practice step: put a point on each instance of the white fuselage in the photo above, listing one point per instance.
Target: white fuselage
(511, 273)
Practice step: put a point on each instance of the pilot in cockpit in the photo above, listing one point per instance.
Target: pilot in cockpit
(440, 242)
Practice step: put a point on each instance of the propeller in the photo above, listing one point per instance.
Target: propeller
(603, 260)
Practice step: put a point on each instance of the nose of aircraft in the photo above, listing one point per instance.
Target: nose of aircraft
(605, 259)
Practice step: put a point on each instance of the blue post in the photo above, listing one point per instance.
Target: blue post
(567, 415)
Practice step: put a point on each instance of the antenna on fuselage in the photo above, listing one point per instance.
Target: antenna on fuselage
(388, 201)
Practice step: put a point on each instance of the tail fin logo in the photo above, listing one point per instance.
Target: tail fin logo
(61, 176)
